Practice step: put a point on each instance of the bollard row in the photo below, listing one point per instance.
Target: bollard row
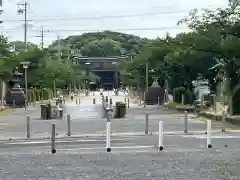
(160, 145)
(161, 134)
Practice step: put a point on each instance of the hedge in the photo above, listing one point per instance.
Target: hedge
(177, 95)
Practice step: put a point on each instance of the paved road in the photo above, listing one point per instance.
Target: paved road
(133, 156)
(87, 118)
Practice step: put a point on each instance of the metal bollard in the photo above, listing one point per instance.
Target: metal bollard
(125, 100)
(128, 102)
(25, 104)
(76, 101)
(14, 104)
(34, 103)
(68, 125)
(53, 144)
(160, 136)
(146, 123)
(94, 100)
(144, 99)
(110, 101)
(185, 122)
(223, 121)
(108, 133)
(28, 125)
(158, 101)
(164, 97)
(61, 113)
(79, 101)
(182, 98)
(209, 129)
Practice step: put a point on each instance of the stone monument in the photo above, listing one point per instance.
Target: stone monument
(15, 96)
(155, 93)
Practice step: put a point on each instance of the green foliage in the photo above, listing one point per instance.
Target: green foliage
(99, 44)
(174, 105)
(209, 52)
(39, 94)
(42, 72)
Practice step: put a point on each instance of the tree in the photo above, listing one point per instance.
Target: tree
(102, 48)
(109, 43)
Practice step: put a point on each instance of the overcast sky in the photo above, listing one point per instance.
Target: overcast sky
(75, 17)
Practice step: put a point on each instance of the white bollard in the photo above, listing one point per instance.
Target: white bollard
(108, 131)
(160, 136)
(68, 125)
(209, 133)
(76, 101)
(158, 101)
(28, 126)
(53, 144)
(185, 122)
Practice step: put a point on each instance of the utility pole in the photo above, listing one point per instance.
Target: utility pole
(42, 37)
(146, 91)
(25, 11)
(59, 48)
(1, 11)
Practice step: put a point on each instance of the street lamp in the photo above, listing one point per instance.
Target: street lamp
(25, 67)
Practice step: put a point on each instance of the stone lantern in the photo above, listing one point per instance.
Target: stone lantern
(15, 96)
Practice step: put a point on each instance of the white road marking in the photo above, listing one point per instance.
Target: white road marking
(213, 137)
(45, 142)
(154, 133)
(104, 148)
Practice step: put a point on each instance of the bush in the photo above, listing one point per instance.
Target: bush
(177, 95)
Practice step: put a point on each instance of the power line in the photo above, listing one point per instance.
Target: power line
(105, 16)
(25, 11)
(41, 36)
(94, 30)
(102, 17)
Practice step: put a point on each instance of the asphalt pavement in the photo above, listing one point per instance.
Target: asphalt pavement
(134, 155)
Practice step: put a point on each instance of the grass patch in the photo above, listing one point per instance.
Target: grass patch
(6, 111)
(173, 105)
